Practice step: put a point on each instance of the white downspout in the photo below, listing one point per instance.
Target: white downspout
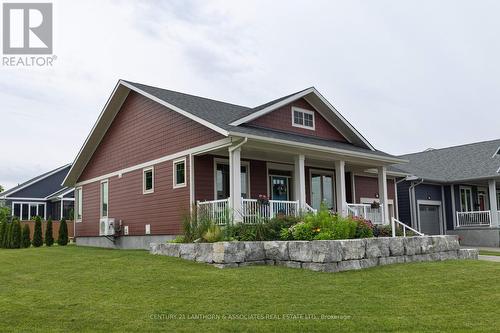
(413, 203)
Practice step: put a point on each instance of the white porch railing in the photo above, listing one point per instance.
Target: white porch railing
(216, 210)
(367, 212)
(252, 211)
(309, 209)
(474, 219)
(405, 226)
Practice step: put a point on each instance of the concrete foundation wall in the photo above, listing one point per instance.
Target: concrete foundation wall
(124, 242)
(327, 255)
(478, 236)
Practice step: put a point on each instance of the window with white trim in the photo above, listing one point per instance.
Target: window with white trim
(26, 211)
(466, 199)
(179, 172)
(302, 118)
(104, 198)
(78, 202)
(148, 180)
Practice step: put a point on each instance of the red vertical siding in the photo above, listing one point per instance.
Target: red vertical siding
(281, 119)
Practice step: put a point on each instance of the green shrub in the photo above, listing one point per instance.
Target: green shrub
(242, 232)
(62, 238)
(343, 228)
(7, 237)
(25, 236)
(16, 234)
(49, 238)
(3, 226)
(213, 234)
(37, 235)
(178, 239)
(364, 229)
(4, 214)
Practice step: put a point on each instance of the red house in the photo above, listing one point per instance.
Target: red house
(153, 153)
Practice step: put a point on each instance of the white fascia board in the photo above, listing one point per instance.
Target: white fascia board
(391, 160)
(295, 97)
(176, 109)
(34, 182)
(92, 131)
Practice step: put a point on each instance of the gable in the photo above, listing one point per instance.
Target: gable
(141, 131)
(281, 119)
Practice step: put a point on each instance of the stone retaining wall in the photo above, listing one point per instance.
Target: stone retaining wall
(323, 255)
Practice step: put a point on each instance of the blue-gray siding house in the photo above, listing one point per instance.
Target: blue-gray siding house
(42, 196)
(453, 190)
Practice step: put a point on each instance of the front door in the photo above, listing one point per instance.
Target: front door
(279, 188)
(322, 190)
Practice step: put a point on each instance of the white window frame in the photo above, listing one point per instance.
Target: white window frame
(29, 203)
(174, 173)
(304, 111)
(78, 203)
(471, 203)
(101, 198)
(152, 189)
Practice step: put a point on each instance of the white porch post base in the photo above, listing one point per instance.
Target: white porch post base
(300, 181)
(235, 188)
(340, 188)
(382, 192)
(492, 187)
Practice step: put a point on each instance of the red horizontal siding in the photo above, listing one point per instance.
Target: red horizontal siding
(281, 119)
(367, 187)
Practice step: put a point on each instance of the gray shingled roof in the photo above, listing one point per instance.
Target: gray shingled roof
(222, 114)
(453, 164)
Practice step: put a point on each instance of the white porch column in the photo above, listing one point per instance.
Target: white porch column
(382, 192)
(300, 180)
(340, 195)
(492, 186)
(235, 187)
(62, 209)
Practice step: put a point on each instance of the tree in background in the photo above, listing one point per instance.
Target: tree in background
(3, 227)
(25, 238)
(49, 238)
(16, 234)
(8, 236)
(1, 188)
(62, 239)
(37, 235)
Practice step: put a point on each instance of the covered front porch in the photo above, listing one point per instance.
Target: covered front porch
(478, 205)
(252, 180)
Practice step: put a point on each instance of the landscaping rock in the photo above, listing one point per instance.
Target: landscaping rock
(348, 265)
(300, 251)
(436, 244)
(391, 260)
(276, 250)
(228, 265)
(252, 263)
(320, 267)
(413, 245)
(171, 249)
(269, 262)
(254, 251)
(205, 252)
(396, 246)
(468, 254)
(418, 258)
(229, 252)
(188, 251)
(353, 249)
(290, 264)
(324, 251)
(452, 243)
(377, 247)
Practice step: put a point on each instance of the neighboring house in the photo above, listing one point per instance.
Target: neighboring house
(42, 196)
(153, 153)
(453, 190)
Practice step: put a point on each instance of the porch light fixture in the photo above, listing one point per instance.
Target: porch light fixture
(376, 195)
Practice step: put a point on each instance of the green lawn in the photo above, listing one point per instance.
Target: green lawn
(86, 289)
(489, 253)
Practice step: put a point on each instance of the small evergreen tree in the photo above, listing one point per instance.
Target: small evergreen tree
(62, 239)
(49, 238)
(2, 232)
(37, 235)
(25, 239)
(16, 234)
(8, 236)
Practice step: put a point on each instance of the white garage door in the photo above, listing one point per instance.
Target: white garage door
(430, 219)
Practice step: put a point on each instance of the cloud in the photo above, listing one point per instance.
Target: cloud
(409, 75)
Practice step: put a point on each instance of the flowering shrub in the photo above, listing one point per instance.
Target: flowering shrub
(263, 200)
(323, 226)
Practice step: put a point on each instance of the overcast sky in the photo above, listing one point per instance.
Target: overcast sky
(407, 74)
